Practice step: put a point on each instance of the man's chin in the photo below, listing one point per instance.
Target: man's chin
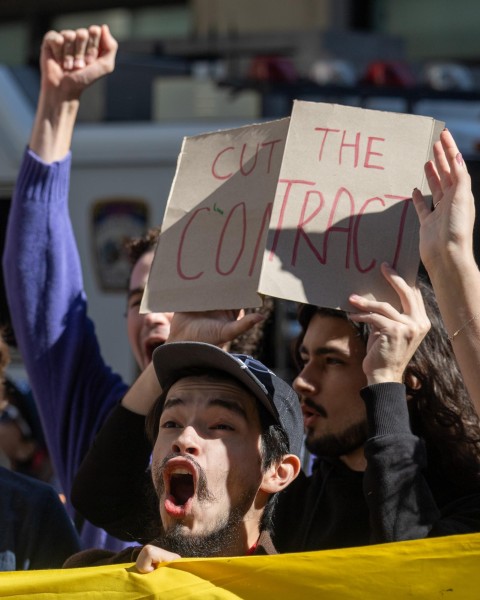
(343, 443)
(183, 541)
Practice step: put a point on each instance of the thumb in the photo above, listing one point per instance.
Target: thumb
(233, 329)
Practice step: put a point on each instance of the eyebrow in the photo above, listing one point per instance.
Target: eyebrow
(322, 351)
(135, 291)
(230, 405)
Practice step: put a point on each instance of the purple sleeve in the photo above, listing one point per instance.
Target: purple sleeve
(73, 387)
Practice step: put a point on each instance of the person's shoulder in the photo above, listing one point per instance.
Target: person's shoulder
(31, 494)
(13, 482)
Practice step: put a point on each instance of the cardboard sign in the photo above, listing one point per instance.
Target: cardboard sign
(210, 251)
(332, 188)
(343, 204)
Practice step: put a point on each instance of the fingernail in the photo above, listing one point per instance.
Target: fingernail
(459, 159)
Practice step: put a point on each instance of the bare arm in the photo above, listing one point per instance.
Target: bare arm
(70, 61)
(446, 249)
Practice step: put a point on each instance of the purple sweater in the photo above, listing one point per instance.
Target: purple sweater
(73, 387)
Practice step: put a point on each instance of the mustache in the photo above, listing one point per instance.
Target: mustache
(202, 492)
(316, 407)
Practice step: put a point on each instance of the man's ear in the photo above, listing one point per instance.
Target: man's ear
(412, 382)
(279, 475)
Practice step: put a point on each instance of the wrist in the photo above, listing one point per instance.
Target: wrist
(53, 128)
(384, 376)
(451, 261)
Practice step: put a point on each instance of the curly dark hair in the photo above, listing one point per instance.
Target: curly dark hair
(441, 412)
(137, 247)
(251, 342)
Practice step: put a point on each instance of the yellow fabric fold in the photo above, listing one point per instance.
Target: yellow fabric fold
(425, 569)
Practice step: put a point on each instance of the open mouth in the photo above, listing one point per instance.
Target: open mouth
(150, 347)
(182, 488)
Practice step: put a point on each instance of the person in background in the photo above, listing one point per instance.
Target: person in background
(396, 439)
(73, 388)
(35, 530)
(22, 443)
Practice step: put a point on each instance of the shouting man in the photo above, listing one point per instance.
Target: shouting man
(226, 433)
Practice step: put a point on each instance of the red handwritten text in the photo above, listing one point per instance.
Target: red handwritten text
(233, 233)
(348, 146)
(241, 156)
(350, 227)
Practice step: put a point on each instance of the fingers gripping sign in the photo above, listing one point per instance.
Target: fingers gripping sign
(215, 327)
(394, 336)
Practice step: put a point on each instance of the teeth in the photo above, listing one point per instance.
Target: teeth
(180, 471)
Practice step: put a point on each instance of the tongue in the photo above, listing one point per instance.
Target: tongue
(181, 488)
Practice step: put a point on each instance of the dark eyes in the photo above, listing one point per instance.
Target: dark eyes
(169, 425)
(134, 303)
(175, 425)
(329, 360)
(303, 360)
(334, 361)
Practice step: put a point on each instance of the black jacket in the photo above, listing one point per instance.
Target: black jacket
(35, 530)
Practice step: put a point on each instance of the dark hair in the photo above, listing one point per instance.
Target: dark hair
(305, 314)
(440, 408)
(274, 441)
(252, 341)
(137, 247)
(441, 411)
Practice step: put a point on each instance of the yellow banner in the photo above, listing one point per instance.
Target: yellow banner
(436, 568)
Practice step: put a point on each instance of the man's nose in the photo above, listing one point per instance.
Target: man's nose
(158, 318)
(188, 442)
(305, 383)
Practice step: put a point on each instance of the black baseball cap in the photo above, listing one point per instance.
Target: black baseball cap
(280, 400)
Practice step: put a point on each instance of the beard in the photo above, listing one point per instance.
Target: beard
(225, 534)
(335, 445)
